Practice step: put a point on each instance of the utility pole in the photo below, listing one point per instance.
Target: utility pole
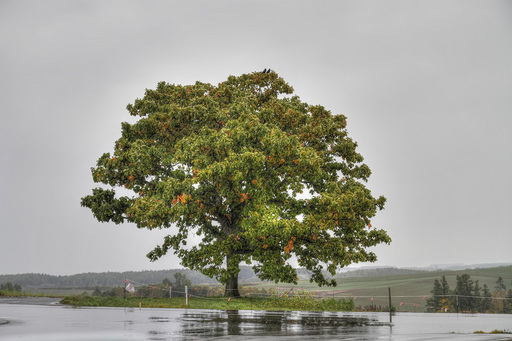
(390, 315)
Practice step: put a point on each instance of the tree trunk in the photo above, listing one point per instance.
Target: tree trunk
(231, 289)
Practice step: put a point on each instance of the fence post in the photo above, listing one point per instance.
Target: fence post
(186, 295)
(390, 315)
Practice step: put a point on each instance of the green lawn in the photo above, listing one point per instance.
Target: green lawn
(300, 302)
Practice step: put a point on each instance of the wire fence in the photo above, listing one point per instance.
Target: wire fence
(445, 303)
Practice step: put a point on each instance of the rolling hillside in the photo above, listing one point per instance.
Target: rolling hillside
(408, 289)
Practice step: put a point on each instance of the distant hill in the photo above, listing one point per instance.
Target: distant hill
(113, 279)
(437, 267)
(375, 272)
(246, 276)
(101, 279)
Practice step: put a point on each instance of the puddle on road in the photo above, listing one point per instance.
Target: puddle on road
(265, 323)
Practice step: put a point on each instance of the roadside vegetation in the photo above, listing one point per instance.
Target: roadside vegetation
(24, 294)
(302, 301)
(12, 290)
(15, 290)
(495, 331)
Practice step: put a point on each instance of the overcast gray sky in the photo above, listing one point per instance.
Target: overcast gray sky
(426, 87)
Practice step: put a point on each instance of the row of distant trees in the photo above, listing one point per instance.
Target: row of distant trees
(152, 290)
(167, 288)
(10, 287)
(469, 296)
(104, 279)
(113, 279)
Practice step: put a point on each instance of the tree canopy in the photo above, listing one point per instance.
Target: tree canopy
(258, 174)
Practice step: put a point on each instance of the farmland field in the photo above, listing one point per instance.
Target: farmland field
(408, 289)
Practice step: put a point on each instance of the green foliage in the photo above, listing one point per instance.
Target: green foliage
(508, 303)
(229, 163)
(464, 289)
(495, 331)
(500, 284)
(306, 300)
(468, 296)
(180, 282)
(434, 303)
(104, 279)
(112, 292)
(162, 290)
(500, 331)
(10, 287)
(485, 302)
(300, 301)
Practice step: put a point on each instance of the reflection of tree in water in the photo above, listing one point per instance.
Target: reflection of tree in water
(233, 322)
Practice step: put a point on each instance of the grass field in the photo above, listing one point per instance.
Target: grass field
(407, 289)
(299, 302)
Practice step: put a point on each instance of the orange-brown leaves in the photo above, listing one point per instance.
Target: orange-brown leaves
(181, 199)
(243, 197)
(289, 247)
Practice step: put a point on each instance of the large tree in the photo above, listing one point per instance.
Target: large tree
(258, 174)
(434, 302)
(439, 302)
(464, 291)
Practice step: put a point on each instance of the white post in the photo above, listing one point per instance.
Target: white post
(170, 292)
(186, 295)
